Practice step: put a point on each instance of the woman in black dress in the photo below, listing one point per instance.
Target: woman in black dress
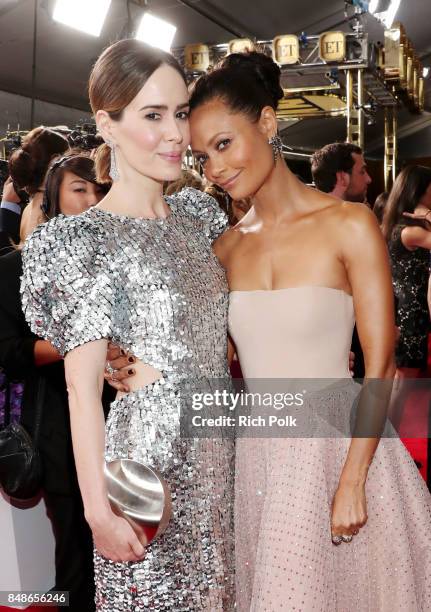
(409, 242)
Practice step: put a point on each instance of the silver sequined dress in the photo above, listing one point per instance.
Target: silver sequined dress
(154, 287)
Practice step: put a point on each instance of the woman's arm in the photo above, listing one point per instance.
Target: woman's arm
(369, 274)
(113, 536)
(414, 237)
(45, 353)
(365, 256)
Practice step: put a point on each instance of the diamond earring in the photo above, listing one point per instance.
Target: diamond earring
(113, 170)
(277, 146)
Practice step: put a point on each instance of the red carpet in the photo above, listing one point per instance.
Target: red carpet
(416, 412)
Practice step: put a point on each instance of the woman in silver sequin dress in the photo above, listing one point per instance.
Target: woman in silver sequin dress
(139, 270)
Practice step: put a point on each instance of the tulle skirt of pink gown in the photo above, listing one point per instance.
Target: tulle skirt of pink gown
(285, 560)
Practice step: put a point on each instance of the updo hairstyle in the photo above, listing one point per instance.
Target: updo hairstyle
(245, 82)
(29, 164)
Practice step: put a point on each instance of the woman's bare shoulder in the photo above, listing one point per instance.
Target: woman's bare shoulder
(355, 216)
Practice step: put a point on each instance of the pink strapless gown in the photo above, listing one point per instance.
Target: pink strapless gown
(285, 558)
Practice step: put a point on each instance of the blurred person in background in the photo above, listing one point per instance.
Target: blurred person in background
(340, 170)
(235, 209)
(423, 213)
(10, 217)
(409, 242)
(188, 178)
(28, 166)
(71, 188)
(380, 205)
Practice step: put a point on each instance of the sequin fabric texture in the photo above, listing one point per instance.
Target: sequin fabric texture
(154, 287)
(410, 274)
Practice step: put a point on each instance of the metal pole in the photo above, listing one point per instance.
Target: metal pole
(387, 157)
(394, 144)
(33, 68)
(390, 161)
(355, 113)
(350, 105)
(360, 110)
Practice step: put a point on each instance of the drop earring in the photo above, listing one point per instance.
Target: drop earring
(277, 146)
(113, 169)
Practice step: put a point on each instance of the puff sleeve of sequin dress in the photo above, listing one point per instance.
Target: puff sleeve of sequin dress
(154, 287)
(66, 288)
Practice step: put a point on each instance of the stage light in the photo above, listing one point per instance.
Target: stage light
(156, 32)
(384, 10)
(82, 15)
(389, 16)
(425, 71)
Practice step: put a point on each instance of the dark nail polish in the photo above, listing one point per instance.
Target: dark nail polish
(131, 360)
(123, 352)
(130, 372)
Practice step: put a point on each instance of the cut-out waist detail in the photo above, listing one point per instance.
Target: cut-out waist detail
(145, 374)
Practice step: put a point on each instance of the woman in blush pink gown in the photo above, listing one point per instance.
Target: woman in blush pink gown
(331, 523)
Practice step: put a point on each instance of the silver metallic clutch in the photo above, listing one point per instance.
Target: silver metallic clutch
(139, 494)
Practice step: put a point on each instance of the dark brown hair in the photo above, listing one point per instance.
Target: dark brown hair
(245, 82)
(81, 165)
(380, 205)
(333, 158)
(116, 79)
(29, 163)
(406, 193)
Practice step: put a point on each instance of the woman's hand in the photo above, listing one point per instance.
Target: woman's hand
(9, 192)
(420, 215)
(349, 510)
(119, 368)
(115, 539)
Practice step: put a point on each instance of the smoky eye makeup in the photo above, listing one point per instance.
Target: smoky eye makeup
(225, 142)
